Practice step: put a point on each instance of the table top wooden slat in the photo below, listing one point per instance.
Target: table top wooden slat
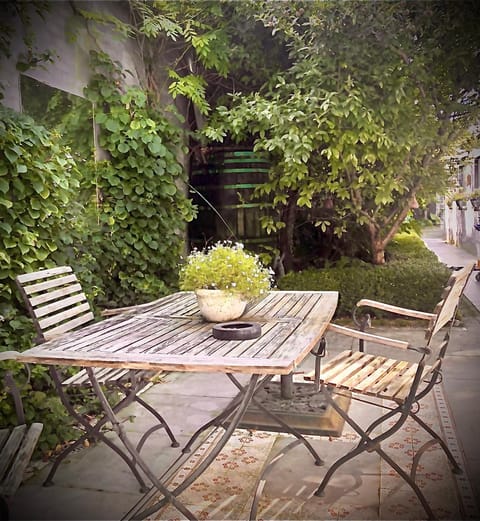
(171, 335)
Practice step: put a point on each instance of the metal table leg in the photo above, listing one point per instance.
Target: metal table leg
(248, 392)
(222, 418)
(287, 428)
(120, 431)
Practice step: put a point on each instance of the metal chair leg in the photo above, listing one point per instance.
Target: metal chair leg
(90, 431)
(368, 444)
(456, 469)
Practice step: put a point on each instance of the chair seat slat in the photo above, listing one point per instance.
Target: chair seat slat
(336, 366)
(387, 366)
(367, 368)
(10, 448)
(399, 388)
(397, 372)
(367, 374)
(102, 375)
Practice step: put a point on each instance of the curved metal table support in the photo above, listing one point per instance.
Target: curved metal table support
(171, 496)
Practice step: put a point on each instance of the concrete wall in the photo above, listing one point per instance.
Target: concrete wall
(70, 39)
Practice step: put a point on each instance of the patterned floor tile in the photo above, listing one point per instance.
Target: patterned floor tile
(365, 488)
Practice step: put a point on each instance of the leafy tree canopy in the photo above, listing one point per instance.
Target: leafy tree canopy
(376, 96)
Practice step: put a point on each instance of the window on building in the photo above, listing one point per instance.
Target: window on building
(476, 173)
(57, 110)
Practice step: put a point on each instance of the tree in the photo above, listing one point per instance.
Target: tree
(377, 95)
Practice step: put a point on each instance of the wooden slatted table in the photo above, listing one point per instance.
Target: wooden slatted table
(170, 335)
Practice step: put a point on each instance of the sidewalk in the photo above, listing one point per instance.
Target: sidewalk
(462, 364)
(453, 256)
(95, 484)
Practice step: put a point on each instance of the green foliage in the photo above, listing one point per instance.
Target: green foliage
(409, 246)
(39, 405)
(338, 122)
(192, 87)
(228, 267)
(137, 217)
(38, 181)
(412, 278)
(194, 36)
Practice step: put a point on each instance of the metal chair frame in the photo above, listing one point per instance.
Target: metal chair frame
(367, 377)
(57, 305)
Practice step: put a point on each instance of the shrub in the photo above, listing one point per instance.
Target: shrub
(413, 278)
(38, 182)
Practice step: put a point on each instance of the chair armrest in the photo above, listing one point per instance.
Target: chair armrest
(395, 309)
(355, 333)
(10, 355)
(110, 312)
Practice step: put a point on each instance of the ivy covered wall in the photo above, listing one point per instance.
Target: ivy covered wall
(118, 218)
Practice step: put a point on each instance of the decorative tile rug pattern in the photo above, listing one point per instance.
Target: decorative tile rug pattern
(364, 488)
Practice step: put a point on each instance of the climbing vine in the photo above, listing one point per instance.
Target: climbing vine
(141, 208)
(38, 182)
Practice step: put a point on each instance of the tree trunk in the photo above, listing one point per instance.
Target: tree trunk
(285, 236)
(378, 252)
(377, 245)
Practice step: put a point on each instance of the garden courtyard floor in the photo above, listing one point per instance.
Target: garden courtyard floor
(95, 484)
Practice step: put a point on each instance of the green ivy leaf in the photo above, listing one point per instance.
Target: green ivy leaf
(6, 203)
(11, 155)
(112, 125)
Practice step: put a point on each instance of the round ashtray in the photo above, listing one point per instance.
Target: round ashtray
(237, 330)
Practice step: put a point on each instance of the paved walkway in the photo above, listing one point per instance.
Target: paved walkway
(96, 484)
(462, 366)
(453, 256)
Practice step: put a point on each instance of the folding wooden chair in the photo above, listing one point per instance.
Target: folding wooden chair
(379, 379)
(57, 305)
(16, 447)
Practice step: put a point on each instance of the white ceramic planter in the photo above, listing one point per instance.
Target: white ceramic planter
(220, 306)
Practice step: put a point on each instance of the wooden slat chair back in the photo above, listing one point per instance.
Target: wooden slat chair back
(57, 304)
(446, 309)
(55, 300)
(393, 378)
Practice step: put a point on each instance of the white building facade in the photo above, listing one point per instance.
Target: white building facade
(459, 216)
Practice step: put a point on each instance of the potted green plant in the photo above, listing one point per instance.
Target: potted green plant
(225, 277)
(475, 199)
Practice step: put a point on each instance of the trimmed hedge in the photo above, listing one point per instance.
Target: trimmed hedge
(412, 277)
